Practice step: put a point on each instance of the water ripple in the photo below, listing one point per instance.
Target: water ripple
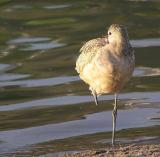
(40, 82)
(42, 46)
(11, 77)
(60, 6)
(139, 98)
(35, 43)
(146, 71)
(22, 40)
(146, 42)
(5, 67)
(93, 123)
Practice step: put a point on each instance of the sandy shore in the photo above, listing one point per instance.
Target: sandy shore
(132, 150)
(120, 151)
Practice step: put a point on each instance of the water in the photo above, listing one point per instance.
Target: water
(43, 101)
(93, 123)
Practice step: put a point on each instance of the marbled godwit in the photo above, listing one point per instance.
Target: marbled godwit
(106, 65)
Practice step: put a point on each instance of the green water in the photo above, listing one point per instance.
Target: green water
(44, 106)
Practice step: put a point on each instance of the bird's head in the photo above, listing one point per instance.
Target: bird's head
(117, 34)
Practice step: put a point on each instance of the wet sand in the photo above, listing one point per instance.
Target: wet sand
(144, 150)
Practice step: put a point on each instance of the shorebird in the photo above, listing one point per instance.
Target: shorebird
(106, 64)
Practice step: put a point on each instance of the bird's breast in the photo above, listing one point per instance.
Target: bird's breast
(107, 73)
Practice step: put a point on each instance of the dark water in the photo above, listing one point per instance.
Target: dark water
(44, 106)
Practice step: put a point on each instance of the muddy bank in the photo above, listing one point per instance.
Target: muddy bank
(152, 150)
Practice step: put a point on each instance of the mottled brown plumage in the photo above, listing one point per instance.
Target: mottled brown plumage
(88, 51)
(106, 64)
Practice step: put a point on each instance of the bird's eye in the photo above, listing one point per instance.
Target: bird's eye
(109, 33)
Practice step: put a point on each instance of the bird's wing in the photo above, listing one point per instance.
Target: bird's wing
(87, 52)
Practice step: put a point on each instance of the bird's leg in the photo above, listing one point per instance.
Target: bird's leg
(94, 95)
(114, 115)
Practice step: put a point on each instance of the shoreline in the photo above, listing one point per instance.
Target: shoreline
(120, 150)
(132, 150)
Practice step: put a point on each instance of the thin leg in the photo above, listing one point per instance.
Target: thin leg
(94, 95)
(114, 115)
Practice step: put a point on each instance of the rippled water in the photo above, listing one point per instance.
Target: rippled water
(44, 104)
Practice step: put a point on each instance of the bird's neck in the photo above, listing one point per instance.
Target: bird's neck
(121, 46)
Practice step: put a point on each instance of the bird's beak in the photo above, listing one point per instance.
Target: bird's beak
(107, 41)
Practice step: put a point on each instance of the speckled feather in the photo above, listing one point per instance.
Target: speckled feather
(88, 51)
